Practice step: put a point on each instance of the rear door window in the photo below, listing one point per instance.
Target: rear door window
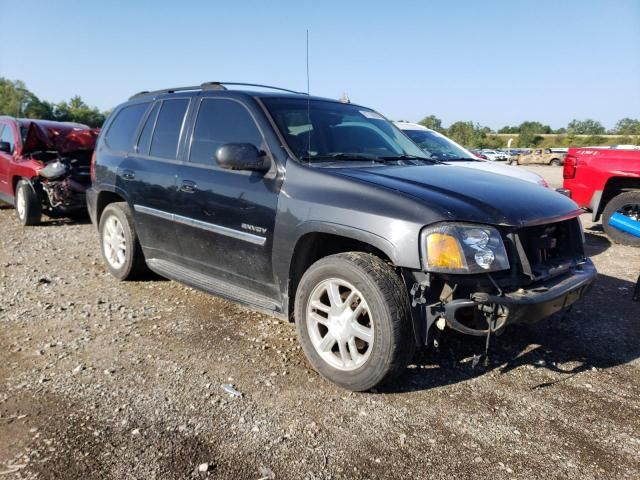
(168, 128)
(121, 133)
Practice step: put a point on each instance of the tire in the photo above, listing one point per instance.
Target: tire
(378, 293)
(119, 243)
(617, 203)
(555, 162)
(28, 205)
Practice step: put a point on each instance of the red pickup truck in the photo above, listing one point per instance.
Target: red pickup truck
(606, 181)
(45, 167)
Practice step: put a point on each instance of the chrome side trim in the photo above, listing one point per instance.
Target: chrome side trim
(210, 227)
(153, 212)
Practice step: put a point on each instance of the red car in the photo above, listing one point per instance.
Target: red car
(44, 167)
(606, 181)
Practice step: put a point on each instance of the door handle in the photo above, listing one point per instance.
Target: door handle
(128, 175)
(188, 186)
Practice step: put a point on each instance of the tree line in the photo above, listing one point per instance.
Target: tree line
(17, 101)
(529, 133)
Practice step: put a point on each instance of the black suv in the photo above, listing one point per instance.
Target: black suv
(325, 213)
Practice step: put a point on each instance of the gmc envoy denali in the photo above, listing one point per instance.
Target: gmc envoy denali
(325, 213)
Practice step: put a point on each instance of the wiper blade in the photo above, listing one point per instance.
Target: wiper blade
(408, 157)
(342, 156)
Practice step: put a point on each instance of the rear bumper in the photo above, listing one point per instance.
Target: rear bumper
(527, 305)
(92, 202)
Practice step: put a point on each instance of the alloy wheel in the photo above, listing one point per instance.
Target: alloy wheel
(21, 203)
(340, 325)
(114, 242)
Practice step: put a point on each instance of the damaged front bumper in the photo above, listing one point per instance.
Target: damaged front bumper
(527, 305)
(481, 312)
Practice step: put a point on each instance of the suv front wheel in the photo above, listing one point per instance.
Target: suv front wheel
(353, 320)
(121, 250)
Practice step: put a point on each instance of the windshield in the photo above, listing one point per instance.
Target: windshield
(438, 146)
(323, 130)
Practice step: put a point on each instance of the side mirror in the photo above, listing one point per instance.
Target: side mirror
(241, 156)
(5, 147)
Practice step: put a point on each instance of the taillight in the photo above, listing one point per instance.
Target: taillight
(570, 166)
(93, 167)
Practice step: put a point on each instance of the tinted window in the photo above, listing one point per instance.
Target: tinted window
(168, 126)
(7, 136)
(220, 122)
(318, 129)
(438, 146)
(123, 128)
(145, 136)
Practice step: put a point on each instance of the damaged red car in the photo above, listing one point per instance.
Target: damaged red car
(45, 167)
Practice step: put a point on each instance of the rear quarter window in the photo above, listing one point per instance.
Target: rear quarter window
(121, 133)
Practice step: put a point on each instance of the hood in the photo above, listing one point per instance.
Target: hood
(58, 137)
(501, 170)
(464, 194)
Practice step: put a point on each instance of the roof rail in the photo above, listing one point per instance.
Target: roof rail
(210, 86)
(222, 84)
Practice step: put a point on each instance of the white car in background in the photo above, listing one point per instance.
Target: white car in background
(441, 148)
(494, 155)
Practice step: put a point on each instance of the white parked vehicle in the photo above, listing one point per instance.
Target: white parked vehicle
(444, 149)
(494, 155)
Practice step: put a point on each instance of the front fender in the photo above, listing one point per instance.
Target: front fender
(348, 231)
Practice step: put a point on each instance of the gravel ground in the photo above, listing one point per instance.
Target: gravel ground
(108, 380)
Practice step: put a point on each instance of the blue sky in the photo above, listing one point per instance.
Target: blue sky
(493, 62)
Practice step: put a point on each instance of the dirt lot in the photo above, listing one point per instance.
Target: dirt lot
(108, 380)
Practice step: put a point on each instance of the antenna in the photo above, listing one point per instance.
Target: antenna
(308, 104)
(308, 62)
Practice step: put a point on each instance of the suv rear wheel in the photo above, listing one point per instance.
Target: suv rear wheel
(353, 320)
(628, 205)
(121, 250)
(28, 206)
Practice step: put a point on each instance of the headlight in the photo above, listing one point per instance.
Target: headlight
(462, 248)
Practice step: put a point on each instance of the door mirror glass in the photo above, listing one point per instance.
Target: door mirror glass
(5, 147)
(241, 156)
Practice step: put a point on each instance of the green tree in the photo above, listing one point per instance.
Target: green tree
(463, 133)
(533, 127)
(36, 108)
(530, 133)
(14, 97)
(432, 122)
(508, 129)
(17, 101)
(627, 126)
(77, 111)
(468, 134)
(585, 127)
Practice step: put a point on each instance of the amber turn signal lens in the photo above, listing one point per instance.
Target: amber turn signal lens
(443, 251)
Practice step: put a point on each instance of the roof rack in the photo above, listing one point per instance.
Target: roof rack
(210, 86)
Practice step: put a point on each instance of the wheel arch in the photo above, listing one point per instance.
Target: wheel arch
(14, 182)
(322, 241)
(104, 198)
(614, 187)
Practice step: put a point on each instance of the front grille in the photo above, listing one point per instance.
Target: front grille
(547, 250)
